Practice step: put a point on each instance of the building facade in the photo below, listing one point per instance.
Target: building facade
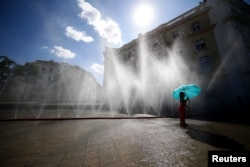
(211, 42)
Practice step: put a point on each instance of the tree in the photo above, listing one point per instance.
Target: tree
(6, 66)
(29, 71)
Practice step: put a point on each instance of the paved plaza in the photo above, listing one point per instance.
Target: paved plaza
(144, 142)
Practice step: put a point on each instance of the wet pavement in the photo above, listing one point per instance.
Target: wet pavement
(116, 142)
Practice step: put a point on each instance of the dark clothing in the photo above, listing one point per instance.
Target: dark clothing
(182, 111)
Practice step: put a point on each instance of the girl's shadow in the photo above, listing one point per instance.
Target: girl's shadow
(215, 140)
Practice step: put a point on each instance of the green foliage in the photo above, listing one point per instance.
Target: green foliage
(27, 70)
(6, 66)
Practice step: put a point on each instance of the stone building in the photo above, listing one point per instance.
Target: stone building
(54, 82)
(208, 45)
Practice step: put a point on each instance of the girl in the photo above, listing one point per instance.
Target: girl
(182, 109)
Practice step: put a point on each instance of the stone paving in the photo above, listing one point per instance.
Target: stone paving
(158, 142)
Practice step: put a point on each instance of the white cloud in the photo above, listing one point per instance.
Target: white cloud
(78, 35)
(97, 68)
(107, 28)
(45, 47)
(61, 52)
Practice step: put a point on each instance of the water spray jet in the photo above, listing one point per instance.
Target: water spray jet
(143, 81)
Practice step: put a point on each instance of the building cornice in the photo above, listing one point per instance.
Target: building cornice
(195, 12)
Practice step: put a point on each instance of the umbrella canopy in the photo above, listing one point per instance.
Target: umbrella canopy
(190, 91)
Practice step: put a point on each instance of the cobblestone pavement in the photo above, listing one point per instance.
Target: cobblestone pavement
(110, 142)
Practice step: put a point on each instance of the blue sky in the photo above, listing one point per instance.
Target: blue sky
(77, 31)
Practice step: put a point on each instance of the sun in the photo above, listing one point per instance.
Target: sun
(143, 15)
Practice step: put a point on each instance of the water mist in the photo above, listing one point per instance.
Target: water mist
(143, 83)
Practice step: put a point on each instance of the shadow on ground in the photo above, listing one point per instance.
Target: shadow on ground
(215, 140)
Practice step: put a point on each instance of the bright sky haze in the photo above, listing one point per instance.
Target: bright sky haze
(77, 31)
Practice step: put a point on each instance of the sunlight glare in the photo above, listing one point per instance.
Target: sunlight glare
(143, 15)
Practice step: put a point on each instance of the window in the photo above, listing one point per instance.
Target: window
(196, 26)
(175, 34)
(43, 69)
(155, 44)
(247, 55)
(129, 55)
(245, 36)
(200, 45)
(205, 64)
(51, 69)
